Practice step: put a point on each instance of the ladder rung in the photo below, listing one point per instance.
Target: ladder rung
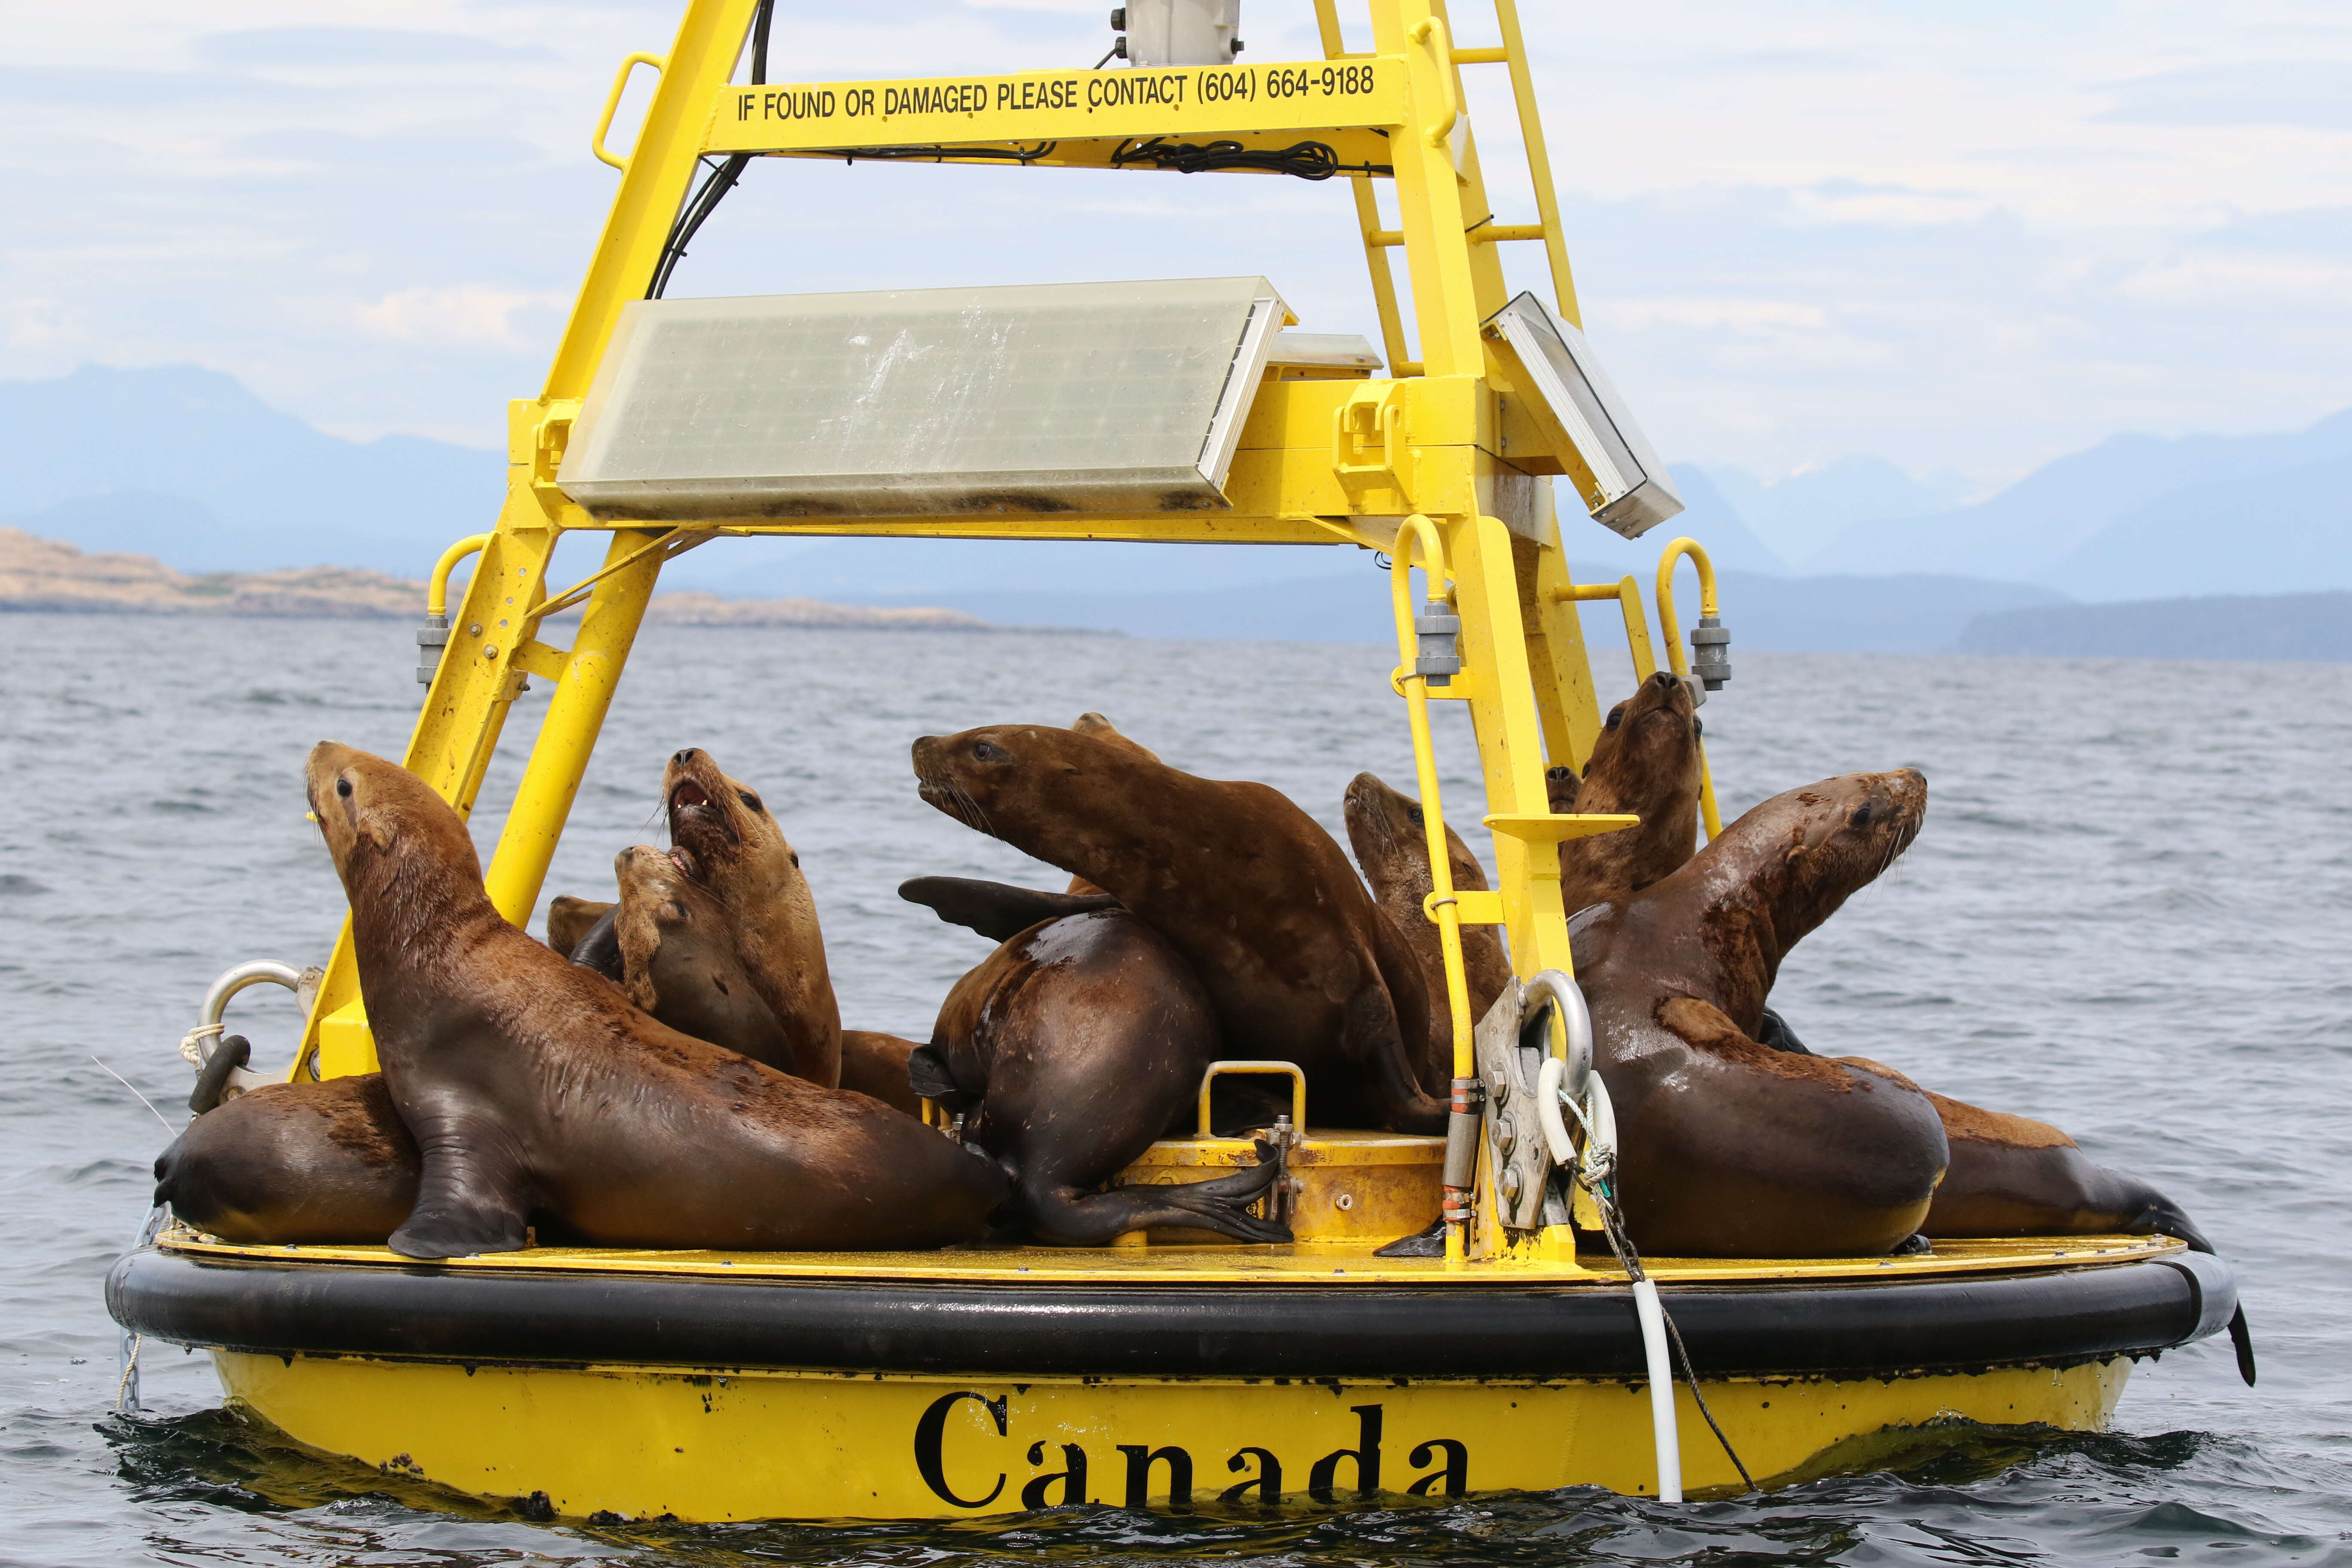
(1493, 57)
(1485, 234)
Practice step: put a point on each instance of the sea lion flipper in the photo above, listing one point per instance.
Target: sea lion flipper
(1775, 1033)
(2241, 1339)
(463, 1207)
(926, 1072)
(599, 949)
(997, 910)
(1072, 1217)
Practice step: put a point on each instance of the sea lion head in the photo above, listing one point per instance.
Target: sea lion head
(1645, 762)
(1390, 836)
(1048, 792)
(659, 899)
(723, 826)
(371, 810)
(1647, 752)
(1825, 842)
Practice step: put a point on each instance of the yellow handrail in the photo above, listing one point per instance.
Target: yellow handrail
(1216, 1071)
(1413, 686)
(1707, 608)
(1442, 54)
(613, 106)
(436, 591)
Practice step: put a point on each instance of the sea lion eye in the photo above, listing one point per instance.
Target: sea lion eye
(1616, 717)
(984, 752)
(796, 860)
(343, 788)
(747, 798)
(1698, 726)
(1415, 813)
(1862, 816)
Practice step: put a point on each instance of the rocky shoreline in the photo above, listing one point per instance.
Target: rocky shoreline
(46, 574)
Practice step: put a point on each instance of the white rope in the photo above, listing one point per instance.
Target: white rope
(192, 1044)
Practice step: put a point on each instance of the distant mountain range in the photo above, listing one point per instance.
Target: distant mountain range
(2310, 627)
(186, 465)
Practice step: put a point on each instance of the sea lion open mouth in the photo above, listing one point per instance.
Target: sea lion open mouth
(693, 808)
(683, 859)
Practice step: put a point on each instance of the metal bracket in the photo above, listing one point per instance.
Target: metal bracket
(1518, 1162)
(1369, 422)
(548, 440)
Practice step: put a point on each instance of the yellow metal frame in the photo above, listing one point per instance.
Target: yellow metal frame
(1320, 461)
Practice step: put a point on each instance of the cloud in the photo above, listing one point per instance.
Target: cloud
(467, 315)
(370, 48)
(1846, 204)
(1958, 238)
(2242, 281)
(2316, 94)
(1736, 315)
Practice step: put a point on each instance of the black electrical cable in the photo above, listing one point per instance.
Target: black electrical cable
(1304, 159)
(1028, 155)
(722, 175)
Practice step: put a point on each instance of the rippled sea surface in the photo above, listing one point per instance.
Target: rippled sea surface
(2130, 912)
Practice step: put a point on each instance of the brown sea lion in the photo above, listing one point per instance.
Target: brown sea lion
(679, 962)
(875, 1065)
(1068, 1051)
(1299, 963)
(570, 919)
(1391, 843)
(1645, 762)
(1731, 1149)
(734, 849)
(531, 1085)
(1102, 728)
(295, 1163)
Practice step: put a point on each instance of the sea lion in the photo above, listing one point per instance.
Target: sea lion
(733, 847)
(875, 1065)
(1390, 838)
(1647, 762)
(570, 919)
(1102, 728)
(1068, 1051)
(2011, 1175)
(295, 1164)
(1299, 963)
(531, 1085)
(1731, 1149)
(678, 959)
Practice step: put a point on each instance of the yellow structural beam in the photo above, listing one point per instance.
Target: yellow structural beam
(1437, 461)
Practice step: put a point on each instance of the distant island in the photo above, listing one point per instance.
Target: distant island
(44, 574)
(2315, 627)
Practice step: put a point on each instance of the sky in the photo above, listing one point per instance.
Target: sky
(1967, 238)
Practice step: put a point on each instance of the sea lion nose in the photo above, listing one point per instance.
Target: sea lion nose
(684, 757)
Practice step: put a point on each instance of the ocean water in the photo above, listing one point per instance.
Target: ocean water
(2128, 913)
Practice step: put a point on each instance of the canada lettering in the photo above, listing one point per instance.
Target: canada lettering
(1061, 1474)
